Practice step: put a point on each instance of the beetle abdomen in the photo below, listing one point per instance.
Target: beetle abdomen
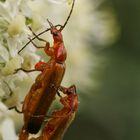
(47, 96)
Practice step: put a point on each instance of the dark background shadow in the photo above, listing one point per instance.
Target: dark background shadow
(112, 113)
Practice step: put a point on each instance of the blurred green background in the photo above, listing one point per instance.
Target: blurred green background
(111, 111)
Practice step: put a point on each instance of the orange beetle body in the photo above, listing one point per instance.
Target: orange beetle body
(61, 119)
(41, 95)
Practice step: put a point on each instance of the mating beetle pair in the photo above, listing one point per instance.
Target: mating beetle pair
(42, 93)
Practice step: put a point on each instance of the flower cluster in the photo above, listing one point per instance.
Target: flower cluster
(15, 17)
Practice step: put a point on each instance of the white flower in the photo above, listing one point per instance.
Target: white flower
(16, 15)
(8, 134)
(13, 35)
(17, 25)
(12, 65)
(61, 1)
(7, 131)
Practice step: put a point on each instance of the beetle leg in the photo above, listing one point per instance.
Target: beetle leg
(16, 70)
(48, 50)
(69, 90)
(41, 65)
(38, 67)
(16, 109)
(58, 93)
(38, 47)
(5, 97)
(36, 36)
(56, 88)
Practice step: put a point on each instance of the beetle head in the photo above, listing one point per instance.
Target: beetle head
(55, 32)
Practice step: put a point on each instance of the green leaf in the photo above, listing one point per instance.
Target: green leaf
(2, 0)
(28, 21)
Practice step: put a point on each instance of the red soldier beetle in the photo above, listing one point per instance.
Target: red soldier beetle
(41, 95)
(60, 120)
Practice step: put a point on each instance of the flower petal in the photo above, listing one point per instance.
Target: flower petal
(8, 134)
(13, 64)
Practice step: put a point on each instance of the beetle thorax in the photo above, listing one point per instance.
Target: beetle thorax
(60, 52)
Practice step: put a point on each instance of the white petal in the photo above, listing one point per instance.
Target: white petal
(16, 26)
(13, 45)
(4, 12)
(25, 9)
(4, 55)
(59, 1)
(36, 21)
(2, 93)
(8, 130)
(3, 108)
(13, 64)
(30, 59)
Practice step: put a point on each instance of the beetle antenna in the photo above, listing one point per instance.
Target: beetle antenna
(58, 25)
(62, 27)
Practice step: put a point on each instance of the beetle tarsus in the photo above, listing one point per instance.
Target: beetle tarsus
(16, 109)
(24, 70)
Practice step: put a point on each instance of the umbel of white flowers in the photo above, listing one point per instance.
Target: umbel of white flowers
(15, 16)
